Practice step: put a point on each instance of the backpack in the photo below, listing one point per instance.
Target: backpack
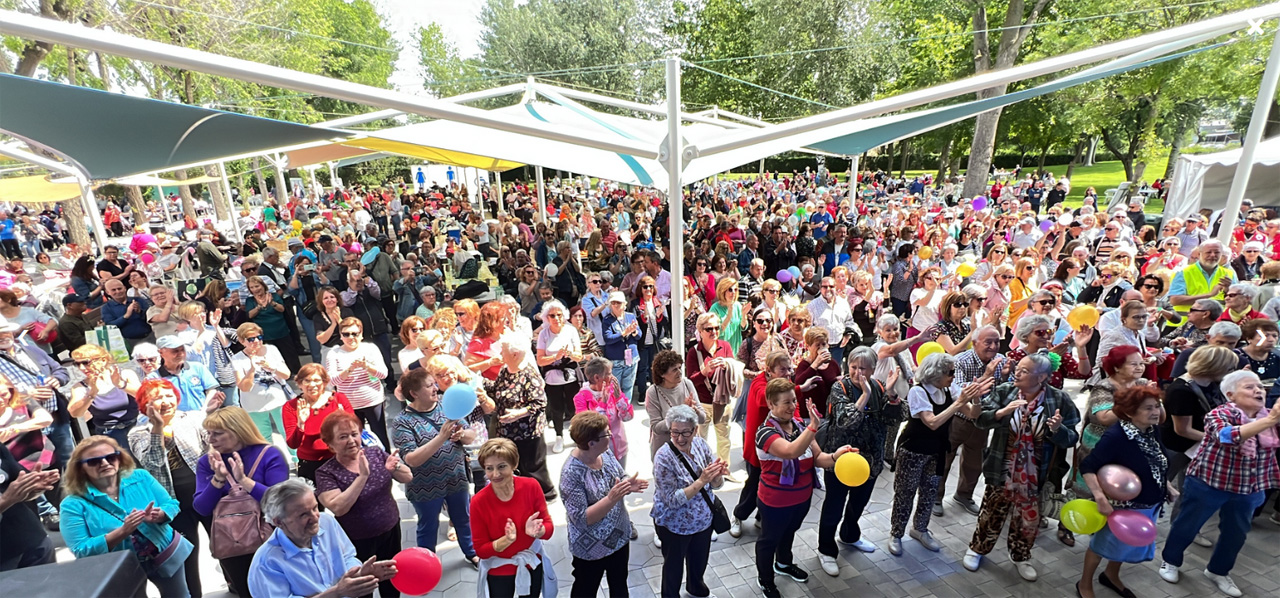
(238, 527)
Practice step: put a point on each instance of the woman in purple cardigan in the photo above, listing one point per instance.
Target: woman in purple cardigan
(237, 452)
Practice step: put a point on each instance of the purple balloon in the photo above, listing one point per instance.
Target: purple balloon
(1046, 225)
(784, 276)
(979, 203)
(1132, 527)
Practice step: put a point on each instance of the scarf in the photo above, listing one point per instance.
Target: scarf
(1021, 485)
(1266, 439)
(642, 315)
(1239, 316)
(790, 467)
(1154, 453)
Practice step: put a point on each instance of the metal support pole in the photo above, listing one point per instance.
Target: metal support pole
(91, 208)
(1266, 92)
(675, 204)
(542, 194)
(282, 184)
(226, 191)
(333, 175)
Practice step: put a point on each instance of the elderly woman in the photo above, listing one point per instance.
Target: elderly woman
(1131, 441)
(1035, 333)
(655, 331)
(1229, 476)
(730, 312)
(468, 315)
(954, 333)
(409, 331)
(238, 456)
(855, 412)
(356, 486)
(755, 346)
(482, 351)
(684, 469)
(110, 506)
(304, 413)
(1248, 264)
(771, 294)
(923, 446)
(357, 371)
(1133, 330)
(865, 302)
(1031, 419)
(329, 314)
(162, 315)
(789, 455)
(331, 567)
(1107, 289)
(559, 354)
(594, 485)
(601, 394)
(509, 524)
(1239, 304)
(262, 377)
(817, 363)
(521, 404)
(589, 345)
(791, 339)
(670, 388)
(168, 443)
(101, 394)
(266, 309)
(621, 335)
(1188, 399)
(702, 365)
(896, 371)
(209, 343)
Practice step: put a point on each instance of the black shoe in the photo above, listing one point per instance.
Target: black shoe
(791, 571)
(51, 522)
(1078, 594)
(1108, 584)
(702, 592)
(769, 588)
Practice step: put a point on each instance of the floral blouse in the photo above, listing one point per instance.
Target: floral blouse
(523, 389)
(671, 508)
(581, 487)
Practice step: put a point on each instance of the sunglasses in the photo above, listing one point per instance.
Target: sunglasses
(764, 321)
(112, 458)
(828, 286)
(1043, 333)
(1047, 302)
(1005, 276)
(593, 282)
(253, 339)
(711, 329)
(648, 286)
(1230, 295)
(84, 363)
(350, 335)
(141, 360)
(1154, 287)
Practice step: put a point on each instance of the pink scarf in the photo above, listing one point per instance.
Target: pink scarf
(1266, 439)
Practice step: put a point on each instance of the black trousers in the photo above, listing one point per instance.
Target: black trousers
(587, 574)
(778, 527)
(560, 405)
(188, 524)
(384, 546)
(747, 497)
(533, 463)
(236, 570)
(307, 469)
(376, 418)
(684, 556)
(504, 586)
(841, 510)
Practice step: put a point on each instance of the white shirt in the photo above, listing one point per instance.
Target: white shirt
(268, 392)
(922, 398)
(834, 318)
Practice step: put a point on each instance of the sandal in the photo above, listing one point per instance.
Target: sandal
(1066, 537)
(453, 534)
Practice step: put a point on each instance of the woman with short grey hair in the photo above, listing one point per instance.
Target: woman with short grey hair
(920, 457)
(684, 473)
(895, 369)
(559, 353)
(682, 414)
(1030, 323)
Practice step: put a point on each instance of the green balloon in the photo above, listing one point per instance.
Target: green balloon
(1082, 517)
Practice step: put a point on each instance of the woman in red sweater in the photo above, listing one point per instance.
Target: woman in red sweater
(303, 415)
(509, 520)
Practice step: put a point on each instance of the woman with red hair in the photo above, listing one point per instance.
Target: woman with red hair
(482, 353)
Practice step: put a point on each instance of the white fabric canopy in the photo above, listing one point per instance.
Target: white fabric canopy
(1203, 181)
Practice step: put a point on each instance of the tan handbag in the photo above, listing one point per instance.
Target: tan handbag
(238, 527)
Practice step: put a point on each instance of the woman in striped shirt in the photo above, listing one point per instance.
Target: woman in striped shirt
(357, 371)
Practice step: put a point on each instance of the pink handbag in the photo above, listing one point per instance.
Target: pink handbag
(238, 527)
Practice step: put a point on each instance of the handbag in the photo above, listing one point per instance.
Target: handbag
(163, 562)
(719, 515)
(238, 527)
(1051, 500)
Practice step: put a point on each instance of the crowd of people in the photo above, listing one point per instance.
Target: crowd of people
(174, 382)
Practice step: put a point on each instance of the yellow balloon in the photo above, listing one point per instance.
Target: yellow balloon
(926, 252)
(928, 349)
(297, 225)
(966, 270)
(852, 469)
(1082, 315)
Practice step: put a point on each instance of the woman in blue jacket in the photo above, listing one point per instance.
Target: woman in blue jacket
(111, 506)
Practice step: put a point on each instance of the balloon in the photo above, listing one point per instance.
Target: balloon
(297, 225)
(1065, 220)
(1132, 527)
(1046, 225)
(926, 252)
(979, 203)
(370, 256)
(784, 276)
(965, 270)
(147, 258)
(1082, 517)
(928, 349)
(1082, 315)
(1119, 483)
(417, 571)
(458, 401)
(852, 469)
(795, 272)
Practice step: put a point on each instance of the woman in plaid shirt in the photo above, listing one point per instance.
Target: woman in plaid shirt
(1234, 467)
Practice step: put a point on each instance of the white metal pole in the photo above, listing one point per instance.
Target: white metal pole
(333, 175)
(226, 192)
(675, 205)
(282, 184)
(91, 208)
(542, 194)
(1240, 183)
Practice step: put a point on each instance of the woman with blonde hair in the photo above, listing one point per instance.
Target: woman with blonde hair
(101, 394)
(467, 314)
(111, 506)
(865, 302)
(409, 331)
(729, 311)
(262, 377)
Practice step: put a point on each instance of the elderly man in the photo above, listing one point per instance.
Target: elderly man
(197, 386)
(1028, 235)
(309, 554)
(834, 314)
(1192, 234)
(211, 259)
(1239, 304)
(1207, 278)
(1194, 329)
(749, 253)
(1111, 320)
(982, 361)
(1221, 334)
(653, 268)
(752, 281)
(129, 314)
(330, 256)
(835, 251)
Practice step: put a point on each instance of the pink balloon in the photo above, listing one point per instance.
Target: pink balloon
(1119, 483)
(1132, 527)
(147, 258)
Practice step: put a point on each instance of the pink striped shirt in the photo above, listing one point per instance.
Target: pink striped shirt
(363, 389)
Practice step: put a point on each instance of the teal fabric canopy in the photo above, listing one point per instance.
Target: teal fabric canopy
(112, 135)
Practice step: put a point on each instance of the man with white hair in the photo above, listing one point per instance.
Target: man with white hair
(1221, 334)
(1204, 279)
(1192, 234)
(1027, 234)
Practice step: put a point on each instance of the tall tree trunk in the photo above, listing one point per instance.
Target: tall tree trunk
(184, 191)
(1092, 156)
(1148, 132)
(32, 55)
(104, 70)
(73, 213)
(71, 66)
(1273, 120)
(1044, 153)
(221, 204)
(1175, 147)
(262, 179)
(945, 155)
(1075, 159)
(906, 157)
(137, 203)
(892, 158)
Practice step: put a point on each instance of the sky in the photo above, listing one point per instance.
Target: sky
(458, 18)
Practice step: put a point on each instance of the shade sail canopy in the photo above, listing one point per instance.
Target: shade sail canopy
(37, 189)
(1204, 180)
(112, 135)
(378, 143)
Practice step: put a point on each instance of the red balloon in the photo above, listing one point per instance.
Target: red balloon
(417, 571)
(1132, 527)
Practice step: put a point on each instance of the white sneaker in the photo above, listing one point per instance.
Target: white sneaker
(861, 545)
(558, 447)
(926, 539)
(829, 565)
(657, 541)
(735, 527)
(895, 546)
(1225, 584)
(972, 560)
(1169, 572)
(1203, 540)
(714, 536)
(1027, 570)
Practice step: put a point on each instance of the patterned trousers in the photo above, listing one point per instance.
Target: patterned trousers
(995, 508)
(913, 473)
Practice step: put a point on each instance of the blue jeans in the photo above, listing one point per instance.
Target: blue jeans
(459, 504)
(626, 375)
(309, 327)
(1199, 502)
(647, 353)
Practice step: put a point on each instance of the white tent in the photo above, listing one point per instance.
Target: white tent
(1203, 181)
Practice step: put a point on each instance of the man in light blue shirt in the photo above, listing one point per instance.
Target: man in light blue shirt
(196, 384)
(308, 554)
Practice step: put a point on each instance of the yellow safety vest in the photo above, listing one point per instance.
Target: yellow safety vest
(1193, 275)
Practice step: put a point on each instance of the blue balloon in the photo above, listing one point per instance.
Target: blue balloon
(795, 272)
(458, 401)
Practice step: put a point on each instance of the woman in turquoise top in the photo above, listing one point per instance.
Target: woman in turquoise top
(267, 310)
(111, 506)
(729, 311)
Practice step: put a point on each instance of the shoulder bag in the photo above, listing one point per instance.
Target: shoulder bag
(238, 527)
(719, 514)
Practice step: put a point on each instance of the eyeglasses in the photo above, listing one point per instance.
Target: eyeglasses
(711, 329)
(111, 458)
(771, 291)
(350, 335)
(1106, 276)
(684, 434)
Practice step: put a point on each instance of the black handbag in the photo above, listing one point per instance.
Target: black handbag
(719, 514)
